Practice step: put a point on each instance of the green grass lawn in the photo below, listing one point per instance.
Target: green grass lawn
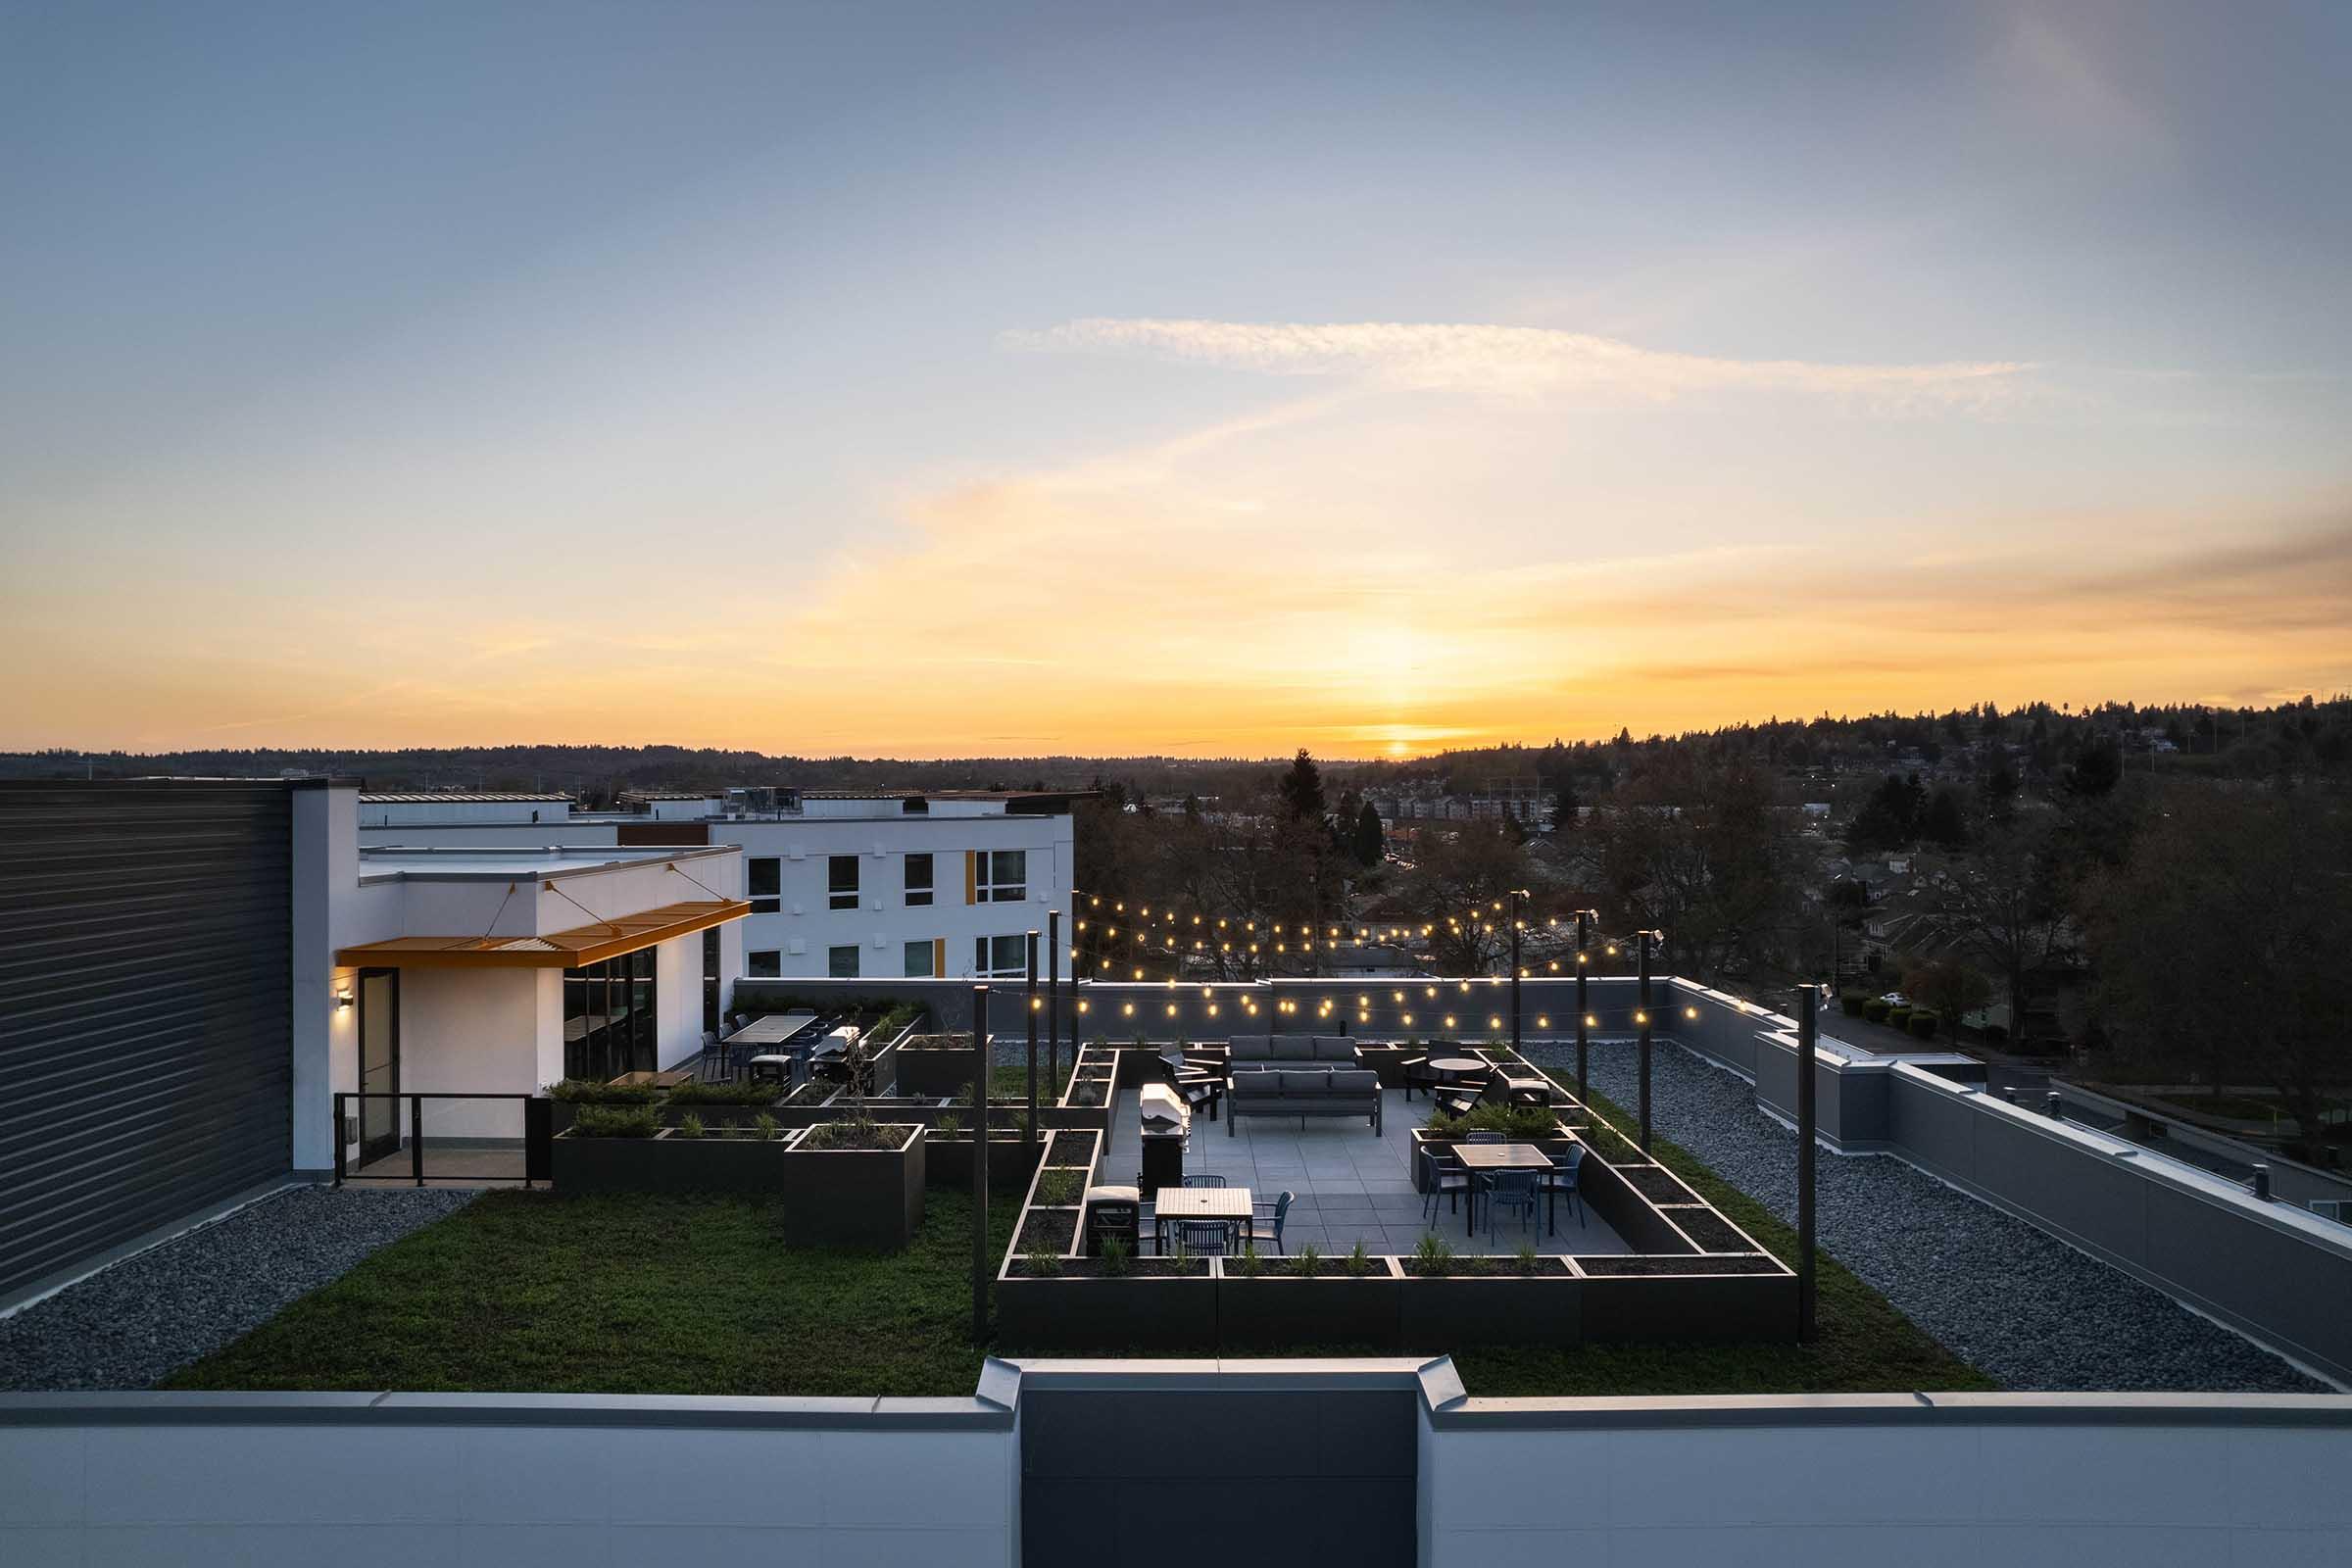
(628, 1295)
(667, 1294)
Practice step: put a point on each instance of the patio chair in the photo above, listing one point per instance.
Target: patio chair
(1202, 1236)
(1486, 1138)
(1513, 1190)
(1447, 1179)
(1205, 1180)
(1281, 1212)
(1560, 1181)
(1454, 1102)
(1417, 1075)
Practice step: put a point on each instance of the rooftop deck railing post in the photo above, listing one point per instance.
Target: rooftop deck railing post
(1032, 1009)
(1808, 1026)
(417, 1138)
(1054, 1000)
(1642, 1018)
(339, 1163)
(980, 1165)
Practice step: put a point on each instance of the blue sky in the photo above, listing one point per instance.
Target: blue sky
(925, 380)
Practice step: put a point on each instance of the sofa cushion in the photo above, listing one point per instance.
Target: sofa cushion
(1356, 1081)
(1295, 1082)
(1333, 1048)
(1252, 1048)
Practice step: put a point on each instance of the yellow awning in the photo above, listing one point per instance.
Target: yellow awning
(561, 949)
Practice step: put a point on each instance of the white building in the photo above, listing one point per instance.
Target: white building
(880, 884)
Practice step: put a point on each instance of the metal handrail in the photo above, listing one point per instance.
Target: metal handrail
(538, 1130)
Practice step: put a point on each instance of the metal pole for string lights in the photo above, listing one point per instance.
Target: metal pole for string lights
(1518, 910)
(1584, 1016)
(1032, 1000)
(980, 1166)
(1641, 1016)
(1053, 999)
(1809, 1005)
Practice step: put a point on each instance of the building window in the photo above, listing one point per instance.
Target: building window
(918, 881)
(840, 964)
(841, 882)
(1004, 876)
(918, 961)
(766, 883)
(608, 1018)
(1001, 957)
(914, 806)
(765, 964)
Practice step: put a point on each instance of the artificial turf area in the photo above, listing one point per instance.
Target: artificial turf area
(530, 1291)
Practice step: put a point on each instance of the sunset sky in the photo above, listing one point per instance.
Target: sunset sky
(1197, 379)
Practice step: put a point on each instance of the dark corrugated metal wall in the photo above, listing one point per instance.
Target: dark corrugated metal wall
(145, 1008)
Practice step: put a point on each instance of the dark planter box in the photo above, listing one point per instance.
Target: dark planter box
(666, 1163)
(1628, 1212)
(1438, 1314)
(1701, 1308)
(1011, 1161)
(863, 1198)
(1139, 1312)
(1388, 1061)
(924, 1071)
(1278, 1309)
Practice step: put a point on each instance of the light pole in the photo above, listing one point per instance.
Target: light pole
(1032, 1009)
(980, 1165)
(1518, 910)
(1583, 1018)
(1053, 999)
(1808, 1007)
(1642, 1017)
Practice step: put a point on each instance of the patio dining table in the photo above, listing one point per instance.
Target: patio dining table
(1231, 1205)
(1483, 1161)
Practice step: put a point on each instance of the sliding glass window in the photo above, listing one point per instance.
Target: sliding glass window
(608, 1018)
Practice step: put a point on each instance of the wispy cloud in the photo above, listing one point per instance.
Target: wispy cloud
(1512, 361)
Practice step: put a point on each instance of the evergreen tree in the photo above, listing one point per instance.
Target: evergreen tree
(1303, 789)
(1371, 844)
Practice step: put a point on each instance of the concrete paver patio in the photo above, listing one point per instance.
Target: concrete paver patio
(1351, 1184)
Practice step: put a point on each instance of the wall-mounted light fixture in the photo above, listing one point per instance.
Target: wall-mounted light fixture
(343, 998)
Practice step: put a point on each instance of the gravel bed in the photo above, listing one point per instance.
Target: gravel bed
(137, 1322)
(2015, 1301)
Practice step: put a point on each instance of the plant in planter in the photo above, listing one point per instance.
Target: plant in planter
(1117, 1258)
(690, 1125)
(1432, 1258)
(948, 1125)
(701, 1094)
(1056, 1188)
(766, 1127)
(617, 1121)
(1305, 1261)
(1358, 1262)
(857, 1130)
(588, 1092)
(1526, 1260)
(1250, 1264)
(1041, 1263)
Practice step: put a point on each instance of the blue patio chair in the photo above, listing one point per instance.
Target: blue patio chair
(1513, 1190)
(1199, 1237)
(1486, 1138)
(1560, 1181)
(1282, 1212)
(1447, 1179)
(1205, 1181)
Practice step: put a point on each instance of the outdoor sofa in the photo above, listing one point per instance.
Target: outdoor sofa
(1301, 1091)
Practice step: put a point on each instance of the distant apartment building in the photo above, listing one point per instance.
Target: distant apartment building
(843, 884)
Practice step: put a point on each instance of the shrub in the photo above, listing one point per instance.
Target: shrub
(588, 1092)
(1899, 1019)
(1925, 1024)
(1055, 1188)
(855, 1131)
(1852, 1003)
(697, 1094)
(690, 1125)
(615, 1121)
(1876, 1009)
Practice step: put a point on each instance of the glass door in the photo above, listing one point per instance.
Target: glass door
(379, 1062)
